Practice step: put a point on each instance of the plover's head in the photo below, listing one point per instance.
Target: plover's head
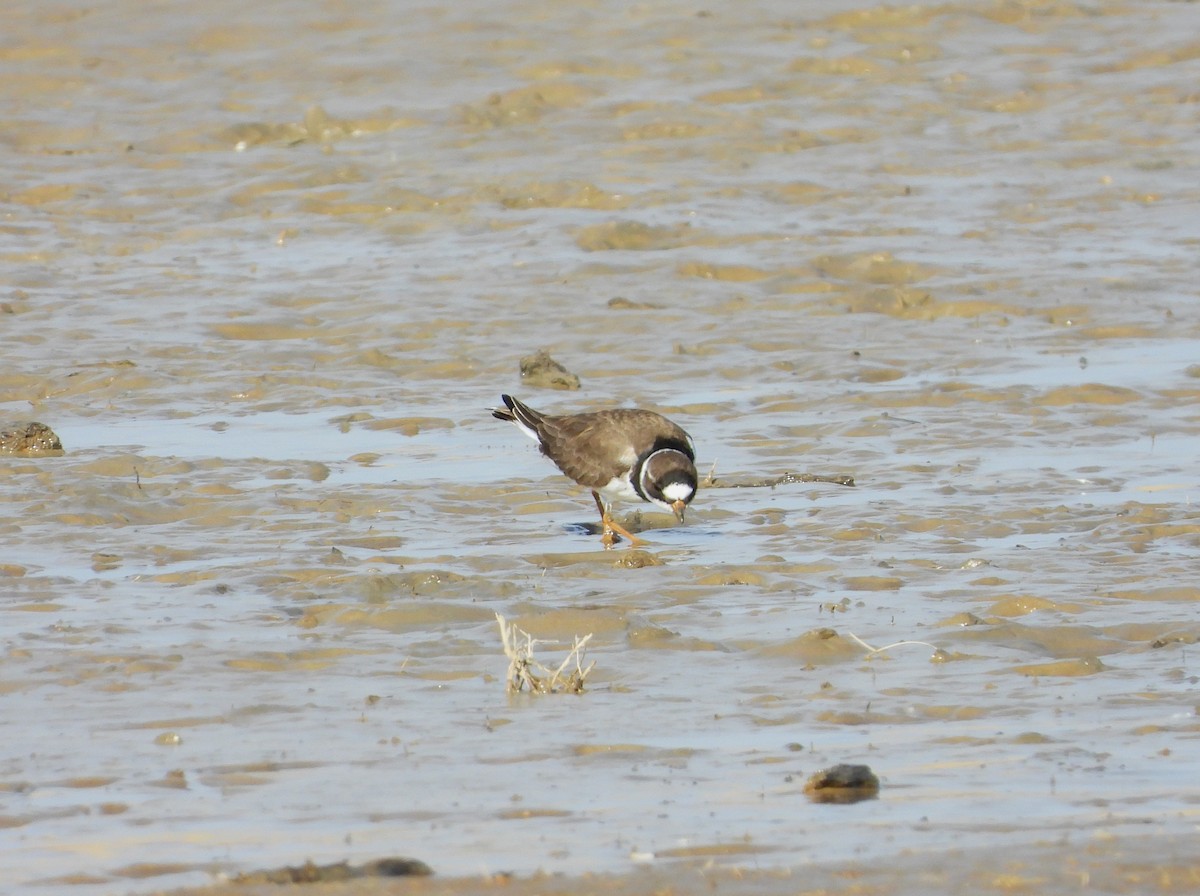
(668, 479)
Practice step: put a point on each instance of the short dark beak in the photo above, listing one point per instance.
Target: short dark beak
(679, 507)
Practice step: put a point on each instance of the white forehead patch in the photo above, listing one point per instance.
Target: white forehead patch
(677, 491)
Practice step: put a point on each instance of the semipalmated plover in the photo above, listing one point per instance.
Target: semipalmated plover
(620, 453)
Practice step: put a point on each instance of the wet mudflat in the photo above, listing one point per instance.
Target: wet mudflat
(266, 268)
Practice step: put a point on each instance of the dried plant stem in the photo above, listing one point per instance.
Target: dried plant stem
(875, 650)
(526, 672)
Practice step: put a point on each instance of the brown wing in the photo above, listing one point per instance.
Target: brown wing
(595, 448)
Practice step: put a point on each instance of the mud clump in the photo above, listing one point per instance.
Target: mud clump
(543, 372)
(843, 784)
(30, 439)
(310, 873)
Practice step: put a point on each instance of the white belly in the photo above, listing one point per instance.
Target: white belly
(619, 489)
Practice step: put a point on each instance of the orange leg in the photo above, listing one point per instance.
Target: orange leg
(612, 528)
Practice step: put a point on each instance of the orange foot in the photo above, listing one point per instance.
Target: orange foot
(612, 528)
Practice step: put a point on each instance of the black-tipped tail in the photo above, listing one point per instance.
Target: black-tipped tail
(520, 413)
(505, 413)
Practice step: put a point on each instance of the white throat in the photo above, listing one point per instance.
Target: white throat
(677, 491)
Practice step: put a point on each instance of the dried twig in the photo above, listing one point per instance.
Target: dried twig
(747, 481)
(526, 672)
(874, 650)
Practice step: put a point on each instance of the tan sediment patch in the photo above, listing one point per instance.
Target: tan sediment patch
(918, 304)
(267, 331)
(1062, 669)
(522, 105)
(852, 66)
(726, 577)
(677, 129)
(532, 812)
(1023, 605)
(400, 618)
(748, 94)
(317, 126)
(1058, 641)
(873, 267)
(1157, 58)
(1088, 393)
(47, 193)
(563, 194)
(309, 660)
(735, 273)
(872, 583)
(409, 426)
(596, 67)
(1164, 594)
(634, 236)
(713, 850)
(816, 647)
(870, 18)
(562, 624)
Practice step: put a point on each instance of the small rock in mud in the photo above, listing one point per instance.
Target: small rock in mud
(310, 873)
(624, 304)
(635, 559)
(544, 372)
(29, 440)
(843, 784)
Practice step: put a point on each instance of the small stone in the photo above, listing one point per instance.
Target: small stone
(843, 784)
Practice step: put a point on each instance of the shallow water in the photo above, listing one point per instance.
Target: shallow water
(266, 268)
